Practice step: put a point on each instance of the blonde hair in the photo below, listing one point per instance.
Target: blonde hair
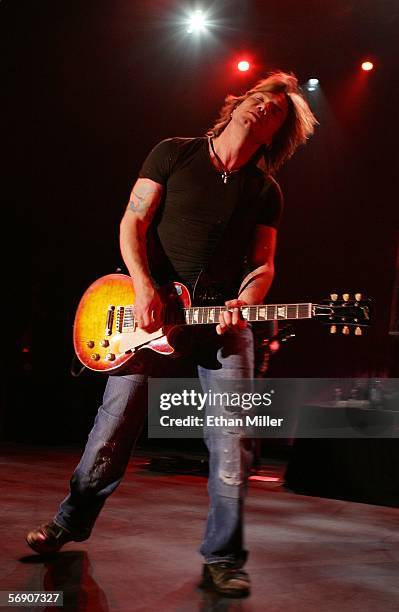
(298, 125)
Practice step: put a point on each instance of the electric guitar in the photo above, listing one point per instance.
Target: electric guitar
(106, 335)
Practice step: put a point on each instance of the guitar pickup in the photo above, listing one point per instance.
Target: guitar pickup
(120, 312)
(110, 320)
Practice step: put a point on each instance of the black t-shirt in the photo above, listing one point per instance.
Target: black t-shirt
(197, 206)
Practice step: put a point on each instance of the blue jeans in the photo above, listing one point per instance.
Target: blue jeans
(118, 425)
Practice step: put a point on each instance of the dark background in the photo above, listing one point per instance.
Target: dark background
(90, 86)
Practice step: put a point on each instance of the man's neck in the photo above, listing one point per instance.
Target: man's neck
(234, 148)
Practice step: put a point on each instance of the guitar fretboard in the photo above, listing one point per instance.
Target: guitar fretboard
(199, 315)
(262, 312)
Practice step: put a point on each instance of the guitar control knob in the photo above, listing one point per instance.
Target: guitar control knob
(334, 296)
(345, 330)
(358, 297)
(95, 356)
(333, 329)
(358, 331)
(110, 356)
(345, 297)
(104, 343)
(90, 344)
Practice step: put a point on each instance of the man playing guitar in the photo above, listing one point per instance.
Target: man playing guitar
(189, 194)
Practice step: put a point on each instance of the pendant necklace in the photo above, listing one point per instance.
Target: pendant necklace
(224, 173)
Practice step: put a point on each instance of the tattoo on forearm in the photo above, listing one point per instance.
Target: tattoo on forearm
(140, 203)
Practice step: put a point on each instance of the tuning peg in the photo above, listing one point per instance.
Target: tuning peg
(333, 329)
(358, 297)
(345, 330)
(358, 331)
(345, 297)
(334, 297)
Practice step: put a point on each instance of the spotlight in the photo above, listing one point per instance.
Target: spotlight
(367, 66)
(243, 66)
(196, 22)
(312, 84)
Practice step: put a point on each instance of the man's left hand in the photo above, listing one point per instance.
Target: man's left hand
(231, 318)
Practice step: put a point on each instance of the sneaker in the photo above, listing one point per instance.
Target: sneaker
(226, 579)
(48, 538)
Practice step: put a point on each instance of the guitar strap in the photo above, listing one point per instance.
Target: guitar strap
(223, 274)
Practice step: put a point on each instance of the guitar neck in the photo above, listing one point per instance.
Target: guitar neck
(262, 312)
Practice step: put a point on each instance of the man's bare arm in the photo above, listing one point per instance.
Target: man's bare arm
(257, 283)
(143, 203)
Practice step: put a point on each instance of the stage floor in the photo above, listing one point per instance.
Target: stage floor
(306, 553)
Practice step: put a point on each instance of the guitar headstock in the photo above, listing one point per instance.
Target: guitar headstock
(344, 314)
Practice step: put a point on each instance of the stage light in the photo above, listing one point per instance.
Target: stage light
(196, 22)
(274, 346)
(312, 84)
(265, 478)
(243, 66)
(367, 66)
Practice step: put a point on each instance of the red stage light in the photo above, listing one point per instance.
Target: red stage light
(243, 65)
(265, 478)
(367, 66)
(274, 345)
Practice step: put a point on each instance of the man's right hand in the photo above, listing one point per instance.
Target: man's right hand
(148, 308)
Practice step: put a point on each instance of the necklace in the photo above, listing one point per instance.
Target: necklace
(224, 172)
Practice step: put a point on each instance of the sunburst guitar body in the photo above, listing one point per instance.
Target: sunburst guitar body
(105, 335)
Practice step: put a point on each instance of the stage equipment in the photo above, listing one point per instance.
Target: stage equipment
(197, 22)
(266, 345)
(312, 84)
(243, 66)
(367, 66)
(360, 469)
